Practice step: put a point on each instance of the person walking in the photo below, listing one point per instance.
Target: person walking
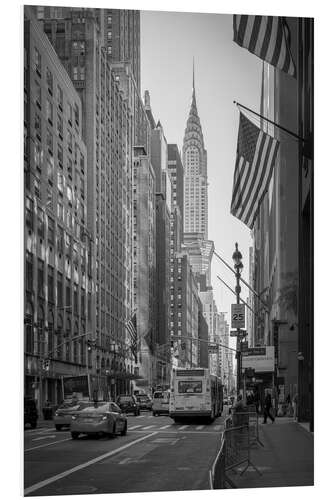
(267, 408)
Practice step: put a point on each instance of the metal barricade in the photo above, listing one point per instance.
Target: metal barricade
(250, 418)
(235, 450)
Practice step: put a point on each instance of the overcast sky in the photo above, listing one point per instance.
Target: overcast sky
(223, 72)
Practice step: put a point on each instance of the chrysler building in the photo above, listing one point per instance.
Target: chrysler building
(195, 174)
(196, 244)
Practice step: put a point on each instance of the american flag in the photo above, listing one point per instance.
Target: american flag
(256, 155)
(268, 38)
(131, 328)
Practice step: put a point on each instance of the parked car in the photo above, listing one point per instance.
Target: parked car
(63, 415)
(102, 418)
(144, 402)
(128, 404)
(161, 403)
(30, 412)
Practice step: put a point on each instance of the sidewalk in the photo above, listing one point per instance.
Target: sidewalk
(285, 460)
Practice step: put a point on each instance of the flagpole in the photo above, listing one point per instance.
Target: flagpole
(299, 138)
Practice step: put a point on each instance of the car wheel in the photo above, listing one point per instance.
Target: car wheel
(58, 427)
(33, 425)
(124, 431)
(154, 413)
(75, 435)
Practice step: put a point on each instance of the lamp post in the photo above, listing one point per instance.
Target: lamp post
(238, 266)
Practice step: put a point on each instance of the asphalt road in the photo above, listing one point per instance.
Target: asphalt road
(156, 455)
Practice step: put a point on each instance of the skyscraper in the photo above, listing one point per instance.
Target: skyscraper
(195, 174)
(76, 36)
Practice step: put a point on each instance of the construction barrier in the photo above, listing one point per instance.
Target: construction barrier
(250, 418)
(235, 450)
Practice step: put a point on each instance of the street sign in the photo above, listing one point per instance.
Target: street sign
(237, 315)
(255, 351)
(234, 333)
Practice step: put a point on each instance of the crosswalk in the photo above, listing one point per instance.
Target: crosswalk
(177, 428)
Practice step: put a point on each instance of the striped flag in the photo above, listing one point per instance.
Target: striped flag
(256, 155)
(268, 38)
(132, 330)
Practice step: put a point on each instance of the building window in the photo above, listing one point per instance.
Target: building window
(60, 128)
(49, 80)
(69, 113)
(60, 211)
(29, 272)
(38, 127)
(50, 234)
(38, 62)
(36, 188)
(60, 239)
(60, 155)
(29, 218)
(40, 223)
(49, 141)
(50, 284)
(76, 114)
(69, 140)
(60, 97)
(40, 278)
(68, 292)
(60, 182)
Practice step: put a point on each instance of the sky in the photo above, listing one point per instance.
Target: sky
(224, 72)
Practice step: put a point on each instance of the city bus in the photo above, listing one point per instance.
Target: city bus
(194, 392)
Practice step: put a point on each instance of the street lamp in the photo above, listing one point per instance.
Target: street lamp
(238, 265)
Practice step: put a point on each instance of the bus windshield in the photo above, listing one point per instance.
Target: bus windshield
(189, 386)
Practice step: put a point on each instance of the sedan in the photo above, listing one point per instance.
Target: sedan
(144, 402)
(63, 415)
(128, 404)
(102, 418)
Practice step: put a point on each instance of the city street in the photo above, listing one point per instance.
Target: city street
(156, 455)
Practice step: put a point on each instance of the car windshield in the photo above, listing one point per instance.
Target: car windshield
(69, 406)
(96, 407)
(143, 398)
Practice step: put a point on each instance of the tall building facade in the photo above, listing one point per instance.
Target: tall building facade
(121, 34)
(145, 264)
(283, 233)
(77, 37)
(185, 307)
(195, 174)
(59, 282)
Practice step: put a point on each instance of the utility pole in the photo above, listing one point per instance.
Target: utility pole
(238, 265)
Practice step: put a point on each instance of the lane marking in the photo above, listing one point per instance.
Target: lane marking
(199, 427)
(166, 426)
(139, 431)
(52, 479)
(183, 427)
(44, 437)
(148, 427)
(134, 427)
(48, 444)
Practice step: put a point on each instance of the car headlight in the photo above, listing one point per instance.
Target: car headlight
(74, 417)
(56, 414)
(104, 417)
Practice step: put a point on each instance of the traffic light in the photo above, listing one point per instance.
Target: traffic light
(89, 345)
(46, 364)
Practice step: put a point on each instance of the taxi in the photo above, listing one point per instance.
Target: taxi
(99, 418)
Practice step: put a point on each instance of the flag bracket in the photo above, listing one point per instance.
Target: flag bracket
(307, 150)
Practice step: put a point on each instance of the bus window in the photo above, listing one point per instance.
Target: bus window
(189, 387)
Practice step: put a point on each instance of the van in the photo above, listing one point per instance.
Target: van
(161, 403)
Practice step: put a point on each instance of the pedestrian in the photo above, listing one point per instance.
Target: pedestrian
(256, 399)
(239, 416)
(267, 408)
(295, 401)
